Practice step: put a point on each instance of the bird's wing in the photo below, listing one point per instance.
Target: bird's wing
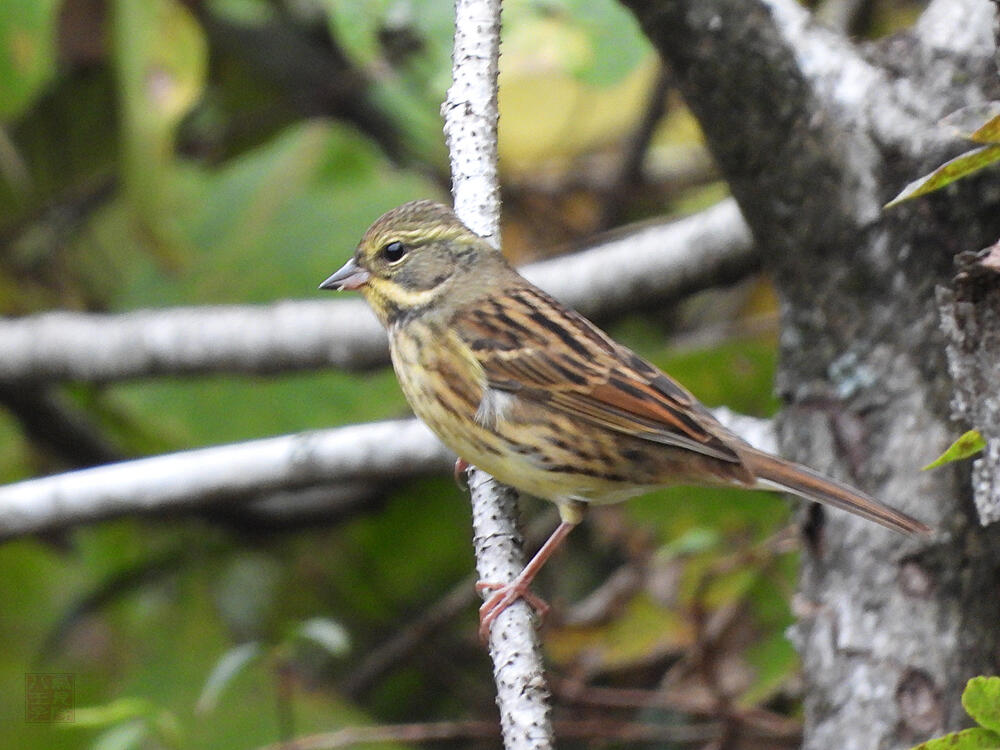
(530, 345)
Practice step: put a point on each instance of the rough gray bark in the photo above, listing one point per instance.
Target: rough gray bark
(970, 317)
(814, 135)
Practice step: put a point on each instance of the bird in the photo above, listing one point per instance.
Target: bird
(540, 398)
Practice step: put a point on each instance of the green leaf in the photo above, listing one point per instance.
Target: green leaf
(325, 633)
(596, 41)
(230, 664)
(960, 166)
(244, 12)
(109, 714)
(968, 445)
(161, 60)
(692, 542)
(406, 47)
(355, 24)
(981, 700)
(774, 661)
(969, 739)
(122, 737)
(27, 51)
(617, 46)
(967, 122)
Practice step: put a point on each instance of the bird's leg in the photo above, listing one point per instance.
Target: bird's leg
(461, 466)
(505, 594)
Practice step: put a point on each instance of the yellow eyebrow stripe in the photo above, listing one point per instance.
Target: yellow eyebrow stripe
(418, 236)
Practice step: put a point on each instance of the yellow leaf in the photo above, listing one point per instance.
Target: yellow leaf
(989, 132)
(960, 166)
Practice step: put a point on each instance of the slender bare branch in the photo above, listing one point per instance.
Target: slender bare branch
(470, 117)
(607, 730)
(190, 340)
(49, 420)
(471, 114)
(228, 473)
(645, 267)
(630, 173)
(321, 469)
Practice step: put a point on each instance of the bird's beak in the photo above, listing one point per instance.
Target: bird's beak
(351, 276)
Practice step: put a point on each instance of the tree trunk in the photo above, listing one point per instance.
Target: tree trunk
(814, 135)
(970, 312)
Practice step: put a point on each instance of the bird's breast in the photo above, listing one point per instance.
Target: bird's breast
(440, 382)
(518, 440)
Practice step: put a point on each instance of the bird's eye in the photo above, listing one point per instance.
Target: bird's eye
(393, 251)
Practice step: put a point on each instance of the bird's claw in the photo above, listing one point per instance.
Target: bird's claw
(461, 479)
(505, 594)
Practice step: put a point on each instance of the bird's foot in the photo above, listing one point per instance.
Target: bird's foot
(505, 594)
(461, 479)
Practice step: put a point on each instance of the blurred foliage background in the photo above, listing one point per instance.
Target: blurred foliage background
(160, 152)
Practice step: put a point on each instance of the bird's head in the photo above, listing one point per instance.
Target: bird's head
(410, 257)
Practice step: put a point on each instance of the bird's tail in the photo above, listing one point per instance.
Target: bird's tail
(777, 473)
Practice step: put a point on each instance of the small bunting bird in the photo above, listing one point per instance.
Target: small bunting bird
(539, 397)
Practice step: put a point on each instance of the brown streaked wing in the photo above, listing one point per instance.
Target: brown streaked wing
(531, 345)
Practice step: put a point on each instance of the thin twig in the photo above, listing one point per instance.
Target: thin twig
(444, 731)
(404, 642)
(629, 174)
(423, 732)
(761, 722)
(51, 421)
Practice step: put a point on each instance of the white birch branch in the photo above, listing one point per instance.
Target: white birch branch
(650, 266)
(959, 27)
(374, 452)
(337, 463)
(470, 113)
